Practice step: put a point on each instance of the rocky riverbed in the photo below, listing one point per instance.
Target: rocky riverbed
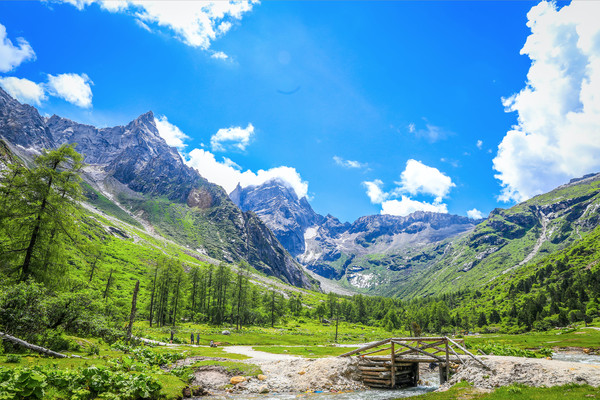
(537, 372)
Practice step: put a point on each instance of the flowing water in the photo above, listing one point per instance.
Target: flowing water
(576, 357)
(357, 395)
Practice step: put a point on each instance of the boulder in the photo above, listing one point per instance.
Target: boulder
(237, 379)
(263, 389)
(226, 333)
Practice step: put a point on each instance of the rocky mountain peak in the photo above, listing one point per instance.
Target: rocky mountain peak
(278, 206)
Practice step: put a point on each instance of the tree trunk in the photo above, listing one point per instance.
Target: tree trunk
(108, 282)
(152, 296)
(37, 349)
(133, 309)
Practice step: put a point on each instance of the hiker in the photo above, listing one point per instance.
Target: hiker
(198, 338)
(192, 337)
(171, 336)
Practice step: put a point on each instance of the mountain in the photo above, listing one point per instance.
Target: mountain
(278, 206)
(337, 250)
(424, 253)
(133, 174)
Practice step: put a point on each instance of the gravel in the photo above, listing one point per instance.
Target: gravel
(528, 371)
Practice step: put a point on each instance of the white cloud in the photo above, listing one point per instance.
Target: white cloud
(406, 206)
(228, 174)
(431, 132)
(557, 136)
(419, 178)
(195, 23)
(172, 134)
(12, 56)
(235, 137)
(348, 163)
(374, 191)
(73, 88)
(475, 214)
(219, 55)
(24, 90)
(479, 144)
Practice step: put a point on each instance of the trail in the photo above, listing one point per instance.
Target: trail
(257, 355)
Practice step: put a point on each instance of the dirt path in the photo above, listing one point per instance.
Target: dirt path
(256, 355)
(528, 371)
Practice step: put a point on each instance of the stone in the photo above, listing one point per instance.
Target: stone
(226, 333)
(263, 389)
(237, 379)
(302, 372)
(261, 377)
(186, 392)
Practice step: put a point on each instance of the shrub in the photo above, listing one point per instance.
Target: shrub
(13, 358)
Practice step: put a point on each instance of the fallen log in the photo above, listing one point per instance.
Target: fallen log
(33, 347)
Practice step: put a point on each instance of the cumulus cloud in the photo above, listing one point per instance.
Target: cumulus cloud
(418, 178)
(348, 163)
(475, 214)
(73, 88)
(172, 134)
(406, 206)
(195, 23)
(24, 90)
(12, 56)
(557, 135)
(219, 55)
(235, 137)
(228, 174)
(375, 191)
(479, 144)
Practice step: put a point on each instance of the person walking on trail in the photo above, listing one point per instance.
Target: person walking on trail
(192, 337)
(198, 338)
(171, 336)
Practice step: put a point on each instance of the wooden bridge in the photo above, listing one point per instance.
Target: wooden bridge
(400, 367)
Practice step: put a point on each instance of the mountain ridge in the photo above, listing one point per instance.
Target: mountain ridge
(133, 167)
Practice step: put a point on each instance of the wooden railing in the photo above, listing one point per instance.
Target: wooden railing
(400, 366)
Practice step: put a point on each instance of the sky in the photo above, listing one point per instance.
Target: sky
(363, 107)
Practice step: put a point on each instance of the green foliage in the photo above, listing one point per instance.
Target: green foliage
(39, 209)
(13, 358)
(82, 383)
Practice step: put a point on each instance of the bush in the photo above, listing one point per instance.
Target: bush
(13, 358)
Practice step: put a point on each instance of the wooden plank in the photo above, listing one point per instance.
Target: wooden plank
(417, 349)
(436, 338)
(377, 358)
(447, 362)
(469, 353)
(376, 344)
(427, 346)
(380, 381)
(376, 351)
(374, 369)
(456, 354)
(393, 367)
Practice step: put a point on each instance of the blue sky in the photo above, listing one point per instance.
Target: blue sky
(335, 97)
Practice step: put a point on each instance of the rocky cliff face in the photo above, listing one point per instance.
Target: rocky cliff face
(278, 206)
(133, 166)
(332, 248)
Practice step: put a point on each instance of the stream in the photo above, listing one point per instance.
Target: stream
(372, 394)
(576, 357)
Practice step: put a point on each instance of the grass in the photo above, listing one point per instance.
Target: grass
(291, 333)
(465, 391)
(583, 338)
(236, 368)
